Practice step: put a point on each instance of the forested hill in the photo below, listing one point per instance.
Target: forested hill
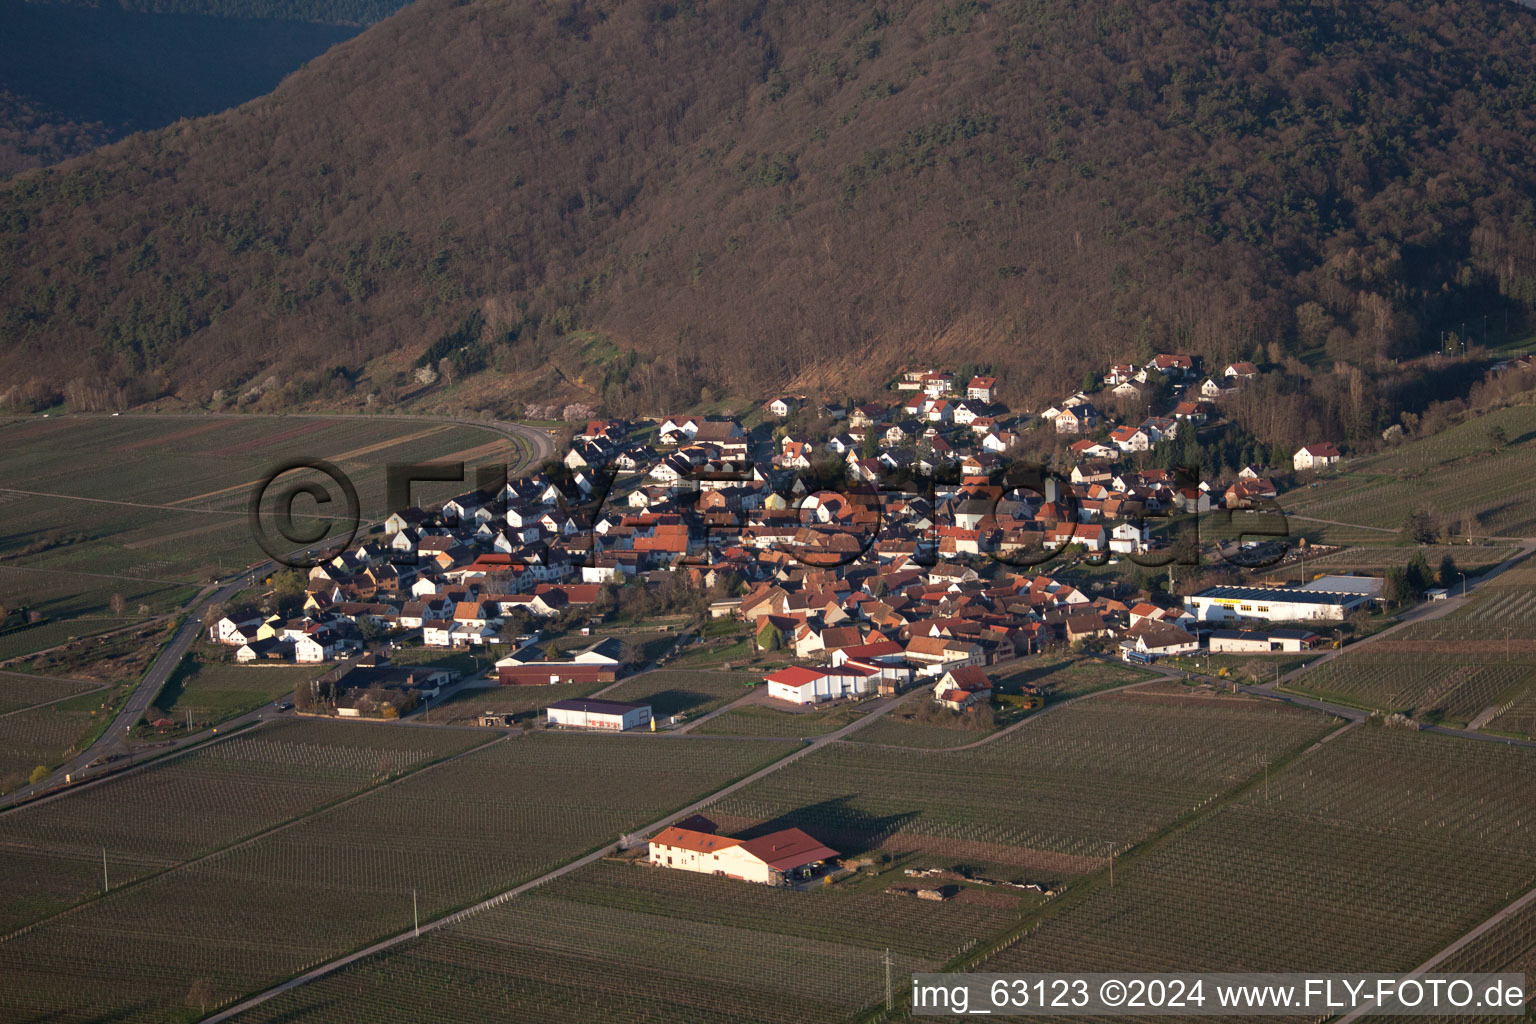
(746, 195)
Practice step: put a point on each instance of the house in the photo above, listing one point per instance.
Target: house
(981, 389)
(961, 689)
(799, 685)
(1314, 456)
(612, 715)
(1241, 371)
(1159, 639)
(1130, 439)
(778, 858)
(783, 406)
(1119, 374)
(1077, 418)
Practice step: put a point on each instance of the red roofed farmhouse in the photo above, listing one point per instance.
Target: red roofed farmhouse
(779, 858)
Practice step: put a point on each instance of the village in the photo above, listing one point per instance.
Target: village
(864, 550)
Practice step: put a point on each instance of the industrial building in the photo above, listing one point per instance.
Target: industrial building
(612, 715)
(1272, 604)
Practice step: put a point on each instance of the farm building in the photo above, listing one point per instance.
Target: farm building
(1272, 604)
(597, 663)
(813, 685)
(615, 715)
(779, 858)
(1260, 641)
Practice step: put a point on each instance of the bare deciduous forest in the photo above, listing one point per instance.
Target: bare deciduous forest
(742, 197)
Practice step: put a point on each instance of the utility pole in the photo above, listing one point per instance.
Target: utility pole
(1111, 865)
(888, 964)
(415, 914)
(1265, 763)
(104, 886)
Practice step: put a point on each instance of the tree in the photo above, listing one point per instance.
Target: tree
(1395, 589)
(1448, 571)
(200, 994)
(118, 604)
(1420, 526)
(770, 637)
(38, 774)
(1498, 437)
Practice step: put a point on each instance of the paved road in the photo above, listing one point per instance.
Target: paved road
(114, 738)
(335, 965)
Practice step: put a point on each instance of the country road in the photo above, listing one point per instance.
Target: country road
(113, 739)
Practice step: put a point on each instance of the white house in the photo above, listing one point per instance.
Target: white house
(1313, 456)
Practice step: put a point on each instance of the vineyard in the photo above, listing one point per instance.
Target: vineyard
(1455, 472)
(681, 692)
(1050, 798)
(19, 691)
(628, 943)
(51, 853)
(1369, 854)
(1453, 669)
(255, 913)
(1450, 685)
(766, 720)
(45, 735)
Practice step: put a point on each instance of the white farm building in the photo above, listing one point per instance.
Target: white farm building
(799, 685)
(613, 715)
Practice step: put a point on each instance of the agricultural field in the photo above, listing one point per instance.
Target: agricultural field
(631, 943)
(18, 643)
(449, 835)
(1369, 853)
(49, 734)
(1064, 677)
(19, 691)
(154, 504)
(52, 852)
(1471, 558)
(1475, 664)
(121, 656)
(214, 691)
(1048, 800)
(672, 691)
(1464, 474)
(764, 719)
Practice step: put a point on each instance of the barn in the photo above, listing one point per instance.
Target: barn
(779, 858)
(812, 685)
(611, 715)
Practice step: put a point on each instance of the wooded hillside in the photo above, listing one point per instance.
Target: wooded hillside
(750, 195)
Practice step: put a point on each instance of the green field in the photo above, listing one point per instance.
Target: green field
(633, 943)
(1368, 854)
(213, 691)
(258, 912)
(150, 820)
(672, 691)
(1050, 797)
